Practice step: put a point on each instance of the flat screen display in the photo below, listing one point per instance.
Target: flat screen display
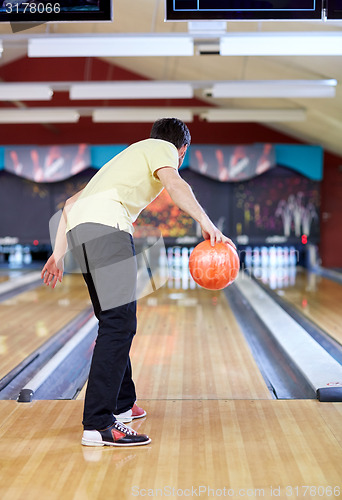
(192, 10)
(334, 9)
(55, 10)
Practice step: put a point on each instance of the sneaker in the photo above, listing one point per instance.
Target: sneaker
(132, 414)
(117, 434)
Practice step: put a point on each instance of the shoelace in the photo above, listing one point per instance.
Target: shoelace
(123, 428)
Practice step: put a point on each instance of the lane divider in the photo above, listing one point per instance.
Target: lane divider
(317, 366)
(27, 393)
(26, 279)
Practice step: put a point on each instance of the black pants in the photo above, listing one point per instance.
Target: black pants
(107, 259)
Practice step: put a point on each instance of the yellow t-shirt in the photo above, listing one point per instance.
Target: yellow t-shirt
(124, 186)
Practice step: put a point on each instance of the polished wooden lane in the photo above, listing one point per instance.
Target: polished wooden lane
(242, 445)
(29, 319)
(189, 346)
(211, 418)
(317, 298)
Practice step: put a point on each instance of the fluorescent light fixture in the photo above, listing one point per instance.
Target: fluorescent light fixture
(25, 92)
(131, 90)
(254, 115)
(111, 46)
(274, 88)
(139, 115)
(1, 48)
(282, 44)
(39, 115)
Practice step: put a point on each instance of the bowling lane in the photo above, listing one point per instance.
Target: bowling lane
(318, 298)
(29, 319)
(190, 346)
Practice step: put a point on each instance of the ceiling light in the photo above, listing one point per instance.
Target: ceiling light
(274, 88)
(131, 90)
(282, 44)
(111, 46)
(139, 115)
(39, 115)
(254, 115)
(25, 92)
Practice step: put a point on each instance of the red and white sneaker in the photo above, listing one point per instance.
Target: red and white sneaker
(132, 414)
(117, 434)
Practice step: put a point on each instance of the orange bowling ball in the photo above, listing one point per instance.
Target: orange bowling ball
(215, 267)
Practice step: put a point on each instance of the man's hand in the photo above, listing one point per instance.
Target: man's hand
(52, 272)
(212, 233)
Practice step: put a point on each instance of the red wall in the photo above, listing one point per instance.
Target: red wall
(126, 133)
(80, 69)
(331, 212)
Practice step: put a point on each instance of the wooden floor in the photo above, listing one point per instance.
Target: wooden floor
(319, 299)
(214, 425)
(238, 445)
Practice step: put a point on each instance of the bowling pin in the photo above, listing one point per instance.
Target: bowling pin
(177, 262)
(280, 256)
(264, 257)
(248, 257)
(192, 283)
(170, 257)
(177, 257)
(27, 258)
(185, 268)
(18, 255)
(162, 265)
(273, 257)
(170, 266)
(185, 258)
(293, 256)
(256, 257)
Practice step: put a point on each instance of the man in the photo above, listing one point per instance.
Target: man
(97, 226)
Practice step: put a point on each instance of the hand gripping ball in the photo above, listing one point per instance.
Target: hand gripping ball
(215, 267)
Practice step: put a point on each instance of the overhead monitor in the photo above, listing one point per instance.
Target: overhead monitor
(334, 9)
(198, 10)
(41, 11)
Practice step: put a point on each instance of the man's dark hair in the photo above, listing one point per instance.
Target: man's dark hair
(171, 130)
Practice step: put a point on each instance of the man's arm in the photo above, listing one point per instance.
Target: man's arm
(53, 269)
(183, 196)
